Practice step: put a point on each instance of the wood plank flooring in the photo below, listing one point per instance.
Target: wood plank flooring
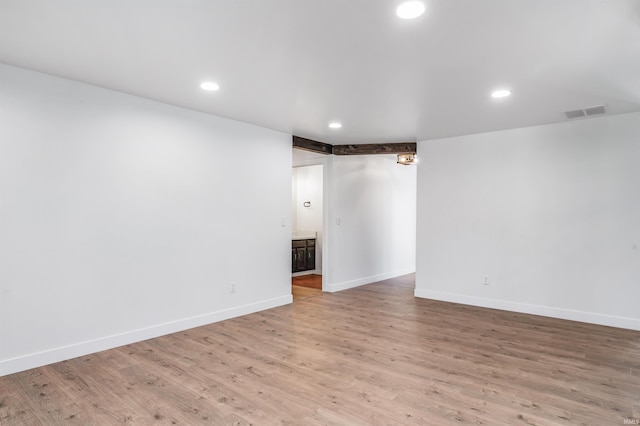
(373, 355)
(306, 286)
(310, 281)
(302, 293)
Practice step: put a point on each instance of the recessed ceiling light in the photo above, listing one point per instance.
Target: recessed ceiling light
(410, 9)
(335, 125)
(210, 86)
(502, 93)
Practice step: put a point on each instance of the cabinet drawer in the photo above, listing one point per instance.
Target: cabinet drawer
(298, 243)
(311, 243)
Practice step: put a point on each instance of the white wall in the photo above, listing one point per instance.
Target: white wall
(549, 214)
(294, 202)
(374, 201)
(301, 157)
(308, 188)
(123, 219)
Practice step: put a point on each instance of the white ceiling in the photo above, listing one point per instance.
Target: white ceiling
(295, 65)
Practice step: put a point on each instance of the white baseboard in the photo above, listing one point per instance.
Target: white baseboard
(546, 311)
(311, 272)
(332, 288)
(39, 359)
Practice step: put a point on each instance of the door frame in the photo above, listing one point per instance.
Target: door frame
(326, 163)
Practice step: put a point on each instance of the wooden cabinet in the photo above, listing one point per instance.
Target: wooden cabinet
(303, 255)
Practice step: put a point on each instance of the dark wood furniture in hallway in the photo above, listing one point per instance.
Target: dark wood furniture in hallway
(370, 355)
(303, 255)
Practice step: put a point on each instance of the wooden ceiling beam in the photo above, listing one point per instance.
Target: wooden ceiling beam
(311, 145)
(359, 149)
(376, 148)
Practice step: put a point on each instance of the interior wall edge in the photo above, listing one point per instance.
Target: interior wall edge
(524, 308)
(539, 220)
(26, 362)
(345, 285)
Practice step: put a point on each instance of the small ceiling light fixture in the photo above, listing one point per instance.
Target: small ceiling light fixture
(210, 86)
(410, 9)
(502, 93)
(407, 159)
(335, 125)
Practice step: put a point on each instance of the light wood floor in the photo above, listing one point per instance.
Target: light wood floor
(373, 355)
(302, 293)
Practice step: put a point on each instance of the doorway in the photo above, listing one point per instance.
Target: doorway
(307, 230)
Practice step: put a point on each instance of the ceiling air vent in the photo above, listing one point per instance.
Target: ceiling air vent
(575, 114)
(595, 110)
(586, 112)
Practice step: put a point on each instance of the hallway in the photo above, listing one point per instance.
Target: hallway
(306, 286)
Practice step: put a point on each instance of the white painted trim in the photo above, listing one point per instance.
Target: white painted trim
(318, 161)
(303, 273)
(39, 359)
(546, 311)
(327, 176)
(327, 218)
(367, 280)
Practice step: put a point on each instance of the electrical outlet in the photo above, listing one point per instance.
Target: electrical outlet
(486, 281)
(233, 287)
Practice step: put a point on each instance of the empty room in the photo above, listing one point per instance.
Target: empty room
(363, 212)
